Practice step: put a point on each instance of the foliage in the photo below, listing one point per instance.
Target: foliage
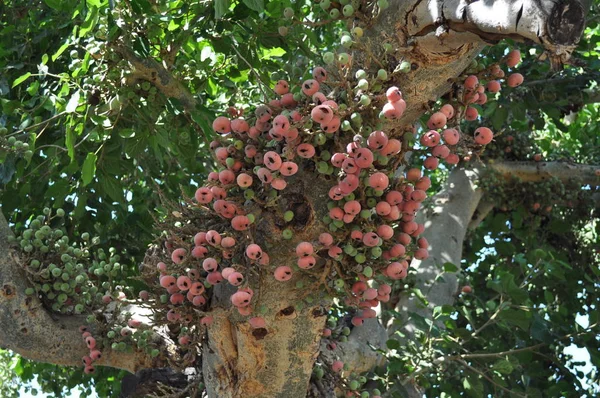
(82, 131)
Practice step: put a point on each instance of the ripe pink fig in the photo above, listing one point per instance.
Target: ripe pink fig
(89, 369)
(283, 273)
(281, 87)
(371, 239)
(318, 98)
(447, 110)
(306, 262)
(440, 151)
(379, 181)
(393, 197)
(334, 251)
(197, 288)
(279, 184)
(173, 316)
(513, 58)
(337, 366)
(213, 238)
(421, 254)
(349, 166)
(364, 158)
(336, 213)
(207, 320)
(281, 124)
(383, 208)
(227, 242)
(203, 195)
(353, 207)
(452, 159)
(184, 283)
(385, 232)
(95, 355)
(304, 249)
(483, 135)
(90, 342)
(471, 114)
(437, 121)
(239, 126)
(320, 74)
(210, 264)
(397, 250)
(222, 125)
(514, 80)
(451, 136)
(176, 298)
(357, 321)
(326, 239)
(322, 114)
(288, 169)
(430, 138)
(199, 251)
(241, 299)
(288, 101)
(240, 223)
(167, 281)
(393, 94)
(199, 300)
(306, 150)
(253, 251)
(178, 255)
(471, 82)
(396, 271)
(309, 87)
(332, 126)
(493, 86)
(244, 180)
(214, 278)
(390, 111)
(264, 175)
(377, 140)
(235, 278)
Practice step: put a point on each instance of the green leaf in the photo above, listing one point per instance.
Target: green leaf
(54, 4)
(519, 318)
(60, 51)
(393, 344)
(111, 187)
(256, 5)
(473, 386)
(221, 7)
(499, 117)
(449, 267)
(89, 168)
(90, 22)
(21, 79)
(503, 366)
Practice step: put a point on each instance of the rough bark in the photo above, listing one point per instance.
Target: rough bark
(541, 171)
(28, 329)
(275, 361)
(446, 224)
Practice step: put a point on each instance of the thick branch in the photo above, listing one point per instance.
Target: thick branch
(154, 72)
(29, 330)
(541, 171)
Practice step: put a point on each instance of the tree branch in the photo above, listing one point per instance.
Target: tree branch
(541, 171)
(152, 71)
(29, 330)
